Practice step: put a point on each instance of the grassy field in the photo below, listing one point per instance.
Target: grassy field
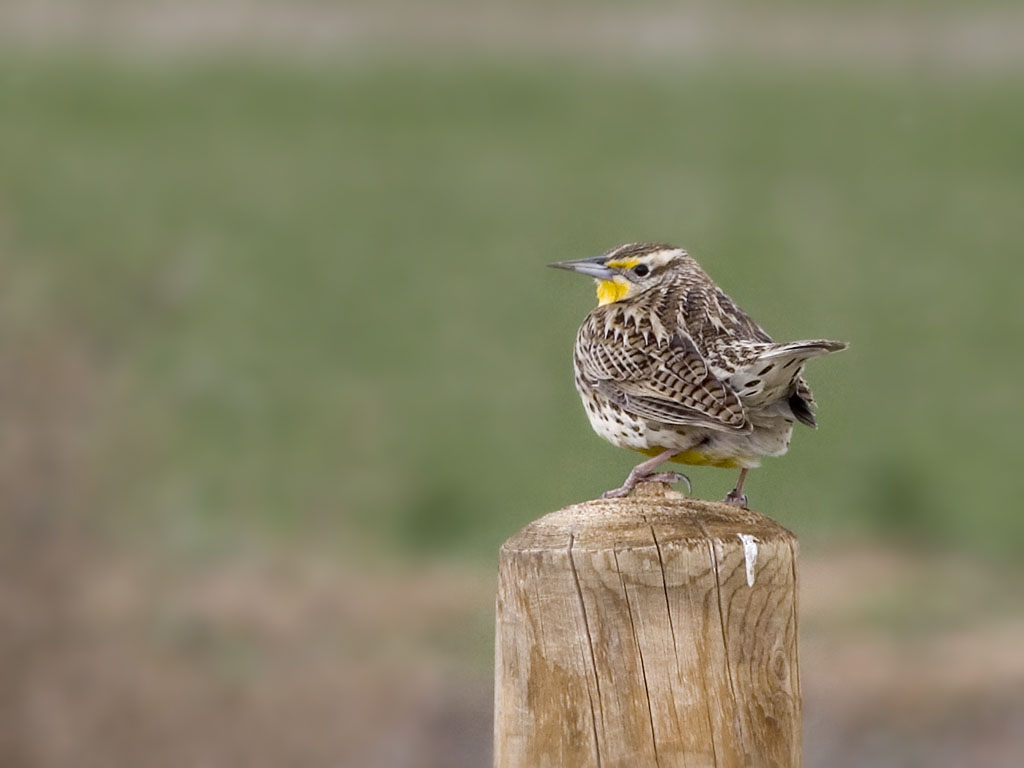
(311, 298)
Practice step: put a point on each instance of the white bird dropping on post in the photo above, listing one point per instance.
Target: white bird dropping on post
(749, 555)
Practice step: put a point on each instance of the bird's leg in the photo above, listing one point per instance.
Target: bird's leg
(644, 471)
(736, 495)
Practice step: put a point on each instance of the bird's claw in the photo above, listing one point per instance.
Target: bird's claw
(657, 477)
(671, 478)
(736, 499)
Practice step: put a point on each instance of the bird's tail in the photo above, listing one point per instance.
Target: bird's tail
(802, 350)
(774, 372)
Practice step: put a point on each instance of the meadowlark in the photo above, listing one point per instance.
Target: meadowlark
(670, 366)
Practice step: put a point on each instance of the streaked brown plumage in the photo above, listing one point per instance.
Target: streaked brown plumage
(668, 365)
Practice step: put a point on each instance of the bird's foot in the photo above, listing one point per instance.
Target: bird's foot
(626, 488)
(657, 477)
(618, 493)
(671, 478)
(736, 499)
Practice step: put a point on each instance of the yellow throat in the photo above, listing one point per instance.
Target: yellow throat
(609, 291)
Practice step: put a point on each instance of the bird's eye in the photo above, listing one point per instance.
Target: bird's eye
(640, 270)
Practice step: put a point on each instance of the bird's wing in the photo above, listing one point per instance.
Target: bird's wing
(669, 383)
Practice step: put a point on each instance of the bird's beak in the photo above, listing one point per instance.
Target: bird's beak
(594, 267)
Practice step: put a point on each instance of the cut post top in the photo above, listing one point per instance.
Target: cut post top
(648, 631)
(601, 524)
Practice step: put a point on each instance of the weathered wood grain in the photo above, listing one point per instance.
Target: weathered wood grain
(628, 635)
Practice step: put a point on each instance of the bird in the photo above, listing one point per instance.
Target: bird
(668, 365)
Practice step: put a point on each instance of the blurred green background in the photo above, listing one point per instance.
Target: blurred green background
(282, 365)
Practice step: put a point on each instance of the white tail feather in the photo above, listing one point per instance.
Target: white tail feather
(804, 349)
(771, 374)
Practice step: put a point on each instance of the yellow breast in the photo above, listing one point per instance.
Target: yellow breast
(696, 459)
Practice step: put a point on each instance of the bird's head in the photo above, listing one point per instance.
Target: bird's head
(627, 270)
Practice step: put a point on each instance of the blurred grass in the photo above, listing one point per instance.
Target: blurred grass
(315, 299)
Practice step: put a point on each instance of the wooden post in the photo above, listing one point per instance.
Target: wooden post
(649, 631)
